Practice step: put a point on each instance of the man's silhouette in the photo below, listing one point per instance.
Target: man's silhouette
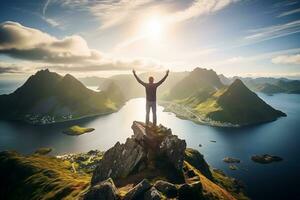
(151, 94)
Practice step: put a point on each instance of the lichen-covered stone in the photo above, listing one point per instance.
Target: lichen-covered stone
(173, 149)
(102, 191)
(137, 192)
(119, 161)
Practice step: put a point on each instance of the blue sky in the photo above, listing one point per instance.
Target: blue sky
(90, 37)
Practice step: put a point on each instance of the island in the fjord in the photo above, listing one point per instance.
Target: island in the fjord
(77, 130)
(152, 164)
(47, 97)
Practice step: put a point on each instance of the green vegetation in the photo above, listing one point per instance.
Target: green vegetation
(68, 176)
(205, 100)
(39, 177)
(241, 106)
(77, 130)
(232, 185)
(196, 159)
(47, 97)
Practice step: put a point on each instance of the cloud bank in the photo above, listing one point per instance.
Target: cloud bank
(70, 53)
(287, 59)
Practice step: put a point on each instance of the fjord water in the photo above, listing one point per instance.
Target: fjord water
(272, 181)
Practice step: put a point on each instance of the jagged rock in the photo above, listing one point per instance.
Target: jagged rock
(168, 189)
(102, 191)
(196, 159)
(190, 191)
(119, 161)
(137, 191)
(139, 131)
(173, 149)
(143, 151)
(152, 194)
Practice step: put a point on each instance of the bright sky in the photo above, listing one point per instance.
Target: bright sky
(105, 37)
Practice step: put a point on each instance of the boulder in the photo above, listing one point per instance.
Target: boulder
(138, 191)
(190, 191)
(102, 191)
(119, 161)
(152, 194)
(168, 189)
(173, 149)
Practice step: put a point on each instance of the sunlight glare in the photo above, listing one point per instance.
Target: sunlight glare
(153, 29)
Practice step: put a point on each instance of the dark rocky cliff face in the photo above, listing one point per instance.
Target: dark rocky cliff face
(148, 149)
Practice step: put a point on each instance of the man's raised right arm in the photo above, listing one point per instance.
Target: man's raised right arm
(138, 79)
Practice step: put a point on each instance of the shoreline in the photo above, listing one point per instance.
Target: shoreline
(64, 120)
(188, 114)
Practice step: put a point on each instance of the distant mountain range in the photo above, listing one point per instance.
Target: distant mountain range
(202, 96)
(46, 97)
(267, 85)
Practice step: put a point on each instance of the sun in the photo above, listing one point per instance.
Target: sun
(153, 28)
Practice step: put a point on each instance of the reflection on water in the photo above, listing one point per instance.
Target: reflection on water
(280, 137)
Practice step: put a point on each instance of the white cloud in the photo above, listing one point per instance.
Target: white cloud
(198, 8)
(291, 12)
(46, 6)
(116, 12)
(274, 31)
(70, 53)
(250, 60)
(287, 59)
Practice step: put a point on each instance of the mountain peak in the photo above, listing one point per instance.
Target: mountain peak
(43, 71)
(238, 85)
(207, 76)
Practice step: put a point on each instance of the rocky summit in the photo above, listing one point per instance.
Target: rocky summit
(154, 164)
(148, 149)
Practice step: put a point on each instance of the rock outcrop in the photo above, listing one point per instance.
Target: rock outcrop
(154, 164)
(102, 191)
(119, 161)
(144, 150)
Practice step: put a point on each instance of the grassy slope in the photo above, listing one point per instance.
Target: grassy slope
(48, 93)
(211, 190)
(235, 104)
(39, 177)
(45, 177)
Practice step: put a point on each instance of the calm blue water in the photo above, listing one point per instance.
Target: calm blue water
(281, 137)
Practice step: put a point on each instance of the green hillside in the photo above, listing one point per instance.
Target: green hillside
(202, 97)
(47, 97)
(238, 105)
(198, 81)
